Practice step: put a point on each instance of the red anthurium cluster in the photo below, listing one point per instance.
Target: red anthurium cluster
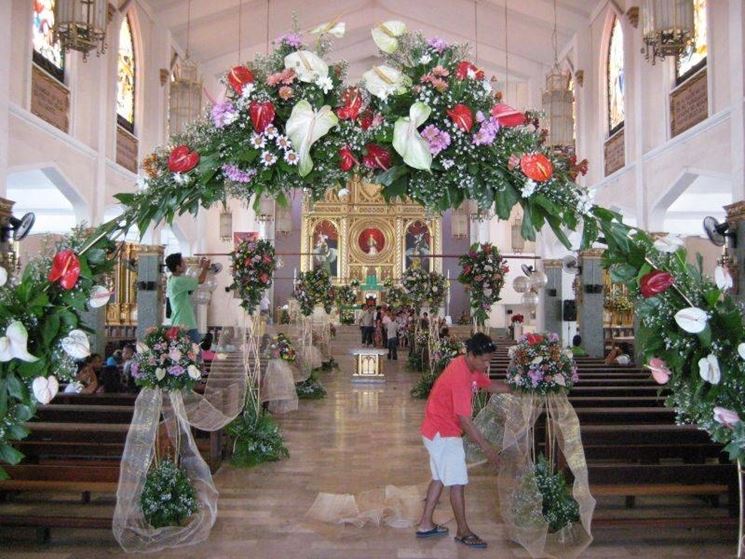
(537, 166)
(654, 283)
(462, 116)
(238, 77)
(507, 116)
(182, 159)
(346, 159)
(534, 339)
(376, 157)
(173, 333)
(351, 104)
(464, 67)
(65, 269)
(262, 115)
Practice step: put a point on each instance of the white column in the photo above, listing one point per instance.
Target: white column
(634, 136)
(6, 30)
(737, 92)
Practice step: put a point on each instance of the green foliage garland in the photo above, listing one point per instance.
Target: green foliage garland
(256, 438)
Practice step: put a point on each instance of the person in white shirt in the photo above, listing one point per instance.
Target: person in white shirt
(391, 328)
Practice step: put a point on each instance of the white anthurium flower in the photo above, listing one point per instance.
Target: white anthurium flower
(305, 126)
(408, 142)
(741, 350)
(723, 278)
(308, 66)
(726, 417)
(160, 373)
(193, 372)
(537, 360)
(669, 243)
(708, 368)
(13, 345)
(337, 29)
(76, 344)
(383, 81)
(45, 388)
(386, 35)
(3, 276)
(560, 380)
(141, 347)
(692, 319)
(99, 297)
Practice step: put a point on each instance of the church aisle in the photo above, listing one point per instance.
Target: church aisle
(360, 437)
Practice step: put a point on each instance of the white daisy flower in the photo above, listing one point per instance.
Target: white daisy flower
(180, 178)
(268, 158)
(248, 89)
(529, 188)
(271, 131)
(257, 141)
(325, 84)
(283, 142)
(291, 157)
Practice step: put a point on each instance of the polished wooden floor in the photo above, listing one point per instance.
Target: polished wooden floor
(361, 437)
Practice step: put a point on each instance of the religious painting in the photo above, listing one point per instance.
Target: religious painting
(694, 57)
(418, 246)
(47, 52)
(125, 85)
(371, 241)
(616, 81)
(326, 248)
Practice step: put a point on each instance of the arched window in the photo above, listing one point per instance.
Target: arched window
(47, 53)
(615, 78)
(694, 58)
(125, 87)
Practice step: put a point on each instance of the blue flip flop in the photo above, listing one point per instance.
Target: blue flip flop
(436, 531)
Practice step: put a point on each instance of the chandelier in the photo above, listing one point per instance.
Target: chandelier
(667, 28)
(226, 225)
(266, 209)
(81, 25)
(283, 221)
(459, 221)
(185, 100)
(558, 101)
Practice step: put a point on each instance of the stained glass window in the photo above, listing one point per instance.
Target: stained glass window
(47, 53)
(615, 78)
(125, 88)
(694, 57)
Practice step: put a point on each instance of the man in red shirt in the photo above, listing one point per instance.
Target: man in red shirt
(446, 417)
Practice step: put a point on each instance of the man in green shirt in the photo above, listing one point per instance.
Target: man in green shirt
(178, 291)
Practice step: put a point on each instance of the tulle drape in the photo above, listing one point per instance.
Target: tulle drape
(278, 387)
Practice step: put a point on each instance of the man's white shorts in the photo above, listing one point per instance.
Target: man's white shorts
(447, 460)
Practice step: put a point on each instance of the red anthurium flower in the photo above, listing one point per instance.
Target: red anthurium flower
(346, 159)
(182, 159)
(654, 283)
(462, 116)
(173, 332)
(366, 119)
(463, 68)
(238, 77)
(65, 269)
(534, 339)
(377, 157)
(507, 116)
(262, 115)
(351, 104)
(537, 167)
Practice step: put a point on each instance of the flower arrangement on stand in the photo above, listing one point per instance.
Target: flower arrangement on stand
(397, 298)
(446, 350)
(253, 265)
(483, 274)
(424, 288)
(314, 288)
(540, 509)
(166, 359)
(453, 140)
(282, 348)
(256, 438)
(346, 297)
(618, 303)
(539, 365)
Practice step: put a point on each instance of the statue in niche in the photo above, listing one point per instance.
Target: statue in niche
(325, 249)
(372, 245)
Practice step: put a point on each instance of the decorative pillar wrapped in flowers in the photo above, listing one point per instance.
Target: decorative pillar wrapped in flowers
(542, 512)
(278, 384)
(311, 288)
(425, 290)
(483, 274)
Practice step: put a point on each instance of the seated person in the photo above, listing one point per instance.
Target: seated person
(206, 345)
(114, 359)
(111, 381)
(87, 375)
(577, 348)
(619, 355)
